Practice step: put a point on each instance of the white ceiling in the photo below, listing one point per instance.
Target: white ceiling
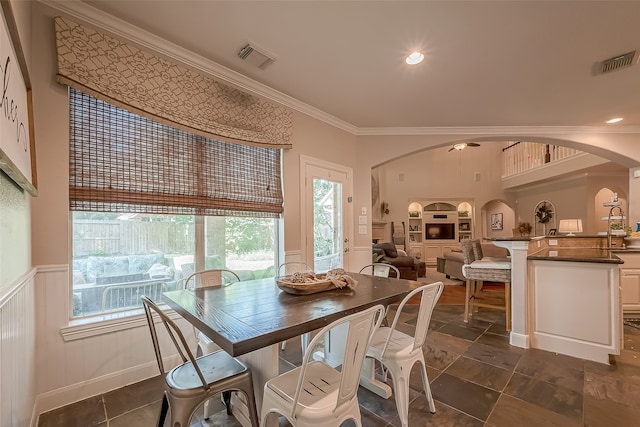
(502, 63)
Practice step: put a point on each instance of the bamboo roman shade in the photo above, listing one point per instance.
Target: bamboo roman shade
(122, 162)
(155, 87)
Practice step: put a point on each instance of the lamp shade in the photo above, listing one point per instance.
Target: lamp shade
(570, 226)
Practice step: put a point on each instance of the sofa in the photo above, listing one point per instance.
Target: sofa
(96, 276)
(409, 267)
(453, 260)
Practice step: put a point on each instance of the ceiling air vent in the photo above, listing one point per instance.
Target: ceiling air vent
(255, 56)
(620, 61)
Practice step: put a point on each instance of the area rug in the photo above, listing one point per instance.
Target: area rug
(454, 291)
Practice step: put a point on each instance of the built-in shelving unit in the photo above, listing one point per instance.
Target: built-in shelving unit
(415, 223)
(465, 221)
(435, 227)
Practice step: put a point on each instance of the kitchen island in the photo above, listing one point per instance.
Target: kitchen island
(565, 299)
(575, 302)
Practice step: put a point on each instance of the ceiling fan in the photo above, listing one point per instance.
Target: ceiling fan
(461, 146)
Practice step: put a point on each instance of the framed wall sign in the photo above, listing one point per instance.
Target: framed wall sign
(496, 221)
(17, 145)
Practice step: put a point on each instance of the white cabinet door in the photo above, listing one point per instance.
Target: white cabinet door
(432, 253)
(630, 280)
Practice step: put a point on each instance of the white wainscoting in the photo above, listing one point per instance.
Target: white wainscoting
(69, 371)
(17, 352)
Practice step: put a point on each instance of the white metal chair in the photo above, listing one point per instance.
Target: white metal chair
(293, 267)
(315, 394)
(476, 270)
(398, 351)
(196, 380)
(379, 269)
(210, 277)
(202, 279)
(286, 269)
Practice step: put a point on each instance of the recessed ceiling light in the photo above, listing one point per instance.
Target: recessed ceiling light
(414, 58)
(614, 120)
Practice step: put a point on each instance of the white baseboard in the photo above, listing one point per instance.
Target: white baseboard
(63, 396)
(519, 340)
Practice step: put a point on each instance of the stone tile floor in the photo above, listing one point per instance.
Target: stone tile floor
(476, 377)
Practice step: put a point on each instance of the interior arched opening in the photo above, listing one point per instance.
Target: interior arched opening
(475, 173)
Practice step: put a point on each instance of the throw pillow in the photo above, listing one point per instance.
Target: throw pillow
(389, 249)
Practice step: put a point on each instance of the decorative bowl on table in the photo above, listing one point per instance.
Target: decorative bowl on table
(310, 283)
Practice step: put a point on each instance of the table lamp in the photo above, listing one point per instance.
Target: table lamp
(570, 226)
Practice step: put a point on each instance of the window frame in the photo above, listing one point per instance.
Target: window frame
(82, 327)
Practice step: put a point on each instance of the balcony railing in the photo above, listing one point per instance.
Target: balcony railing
(522, 156)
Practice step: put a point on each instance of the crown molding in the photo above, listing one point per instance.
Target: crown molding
(496, 130)
(119, 28)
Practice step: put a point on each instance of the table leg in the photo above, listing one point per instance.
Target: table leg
(369, 381)
(264, 366)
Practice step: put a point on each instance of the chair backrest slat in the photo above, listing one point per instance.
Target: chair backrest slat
(380, 269)
(288, 268)
(361, 327)
(210, 277)
(429, 295)
(176, 335)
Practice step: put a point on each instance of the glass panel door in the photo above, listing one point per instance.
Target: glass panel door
(326, 221)
(327, 225)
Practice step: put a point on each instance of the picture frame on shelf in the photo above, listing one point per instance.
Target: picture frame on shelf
(496, 221)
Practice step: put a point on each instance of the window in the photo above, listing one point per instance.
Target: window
(118, 257)
(138, 190)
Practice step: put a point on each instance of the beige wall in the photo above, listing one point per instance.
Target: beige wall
(318, 140)
(441, 175)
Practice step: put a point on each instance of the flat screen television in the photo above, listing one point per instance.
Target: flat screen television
(439, 231)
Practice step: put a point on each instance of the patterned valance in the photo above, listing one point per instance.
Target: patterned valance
(152, 86)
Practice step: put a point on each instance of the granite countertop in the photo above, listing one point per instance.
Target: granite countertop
(508, 239)
(595, 255)
(625, 250)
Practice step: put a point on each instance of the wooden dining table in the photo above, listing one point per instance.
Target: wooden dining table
(248, 319)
